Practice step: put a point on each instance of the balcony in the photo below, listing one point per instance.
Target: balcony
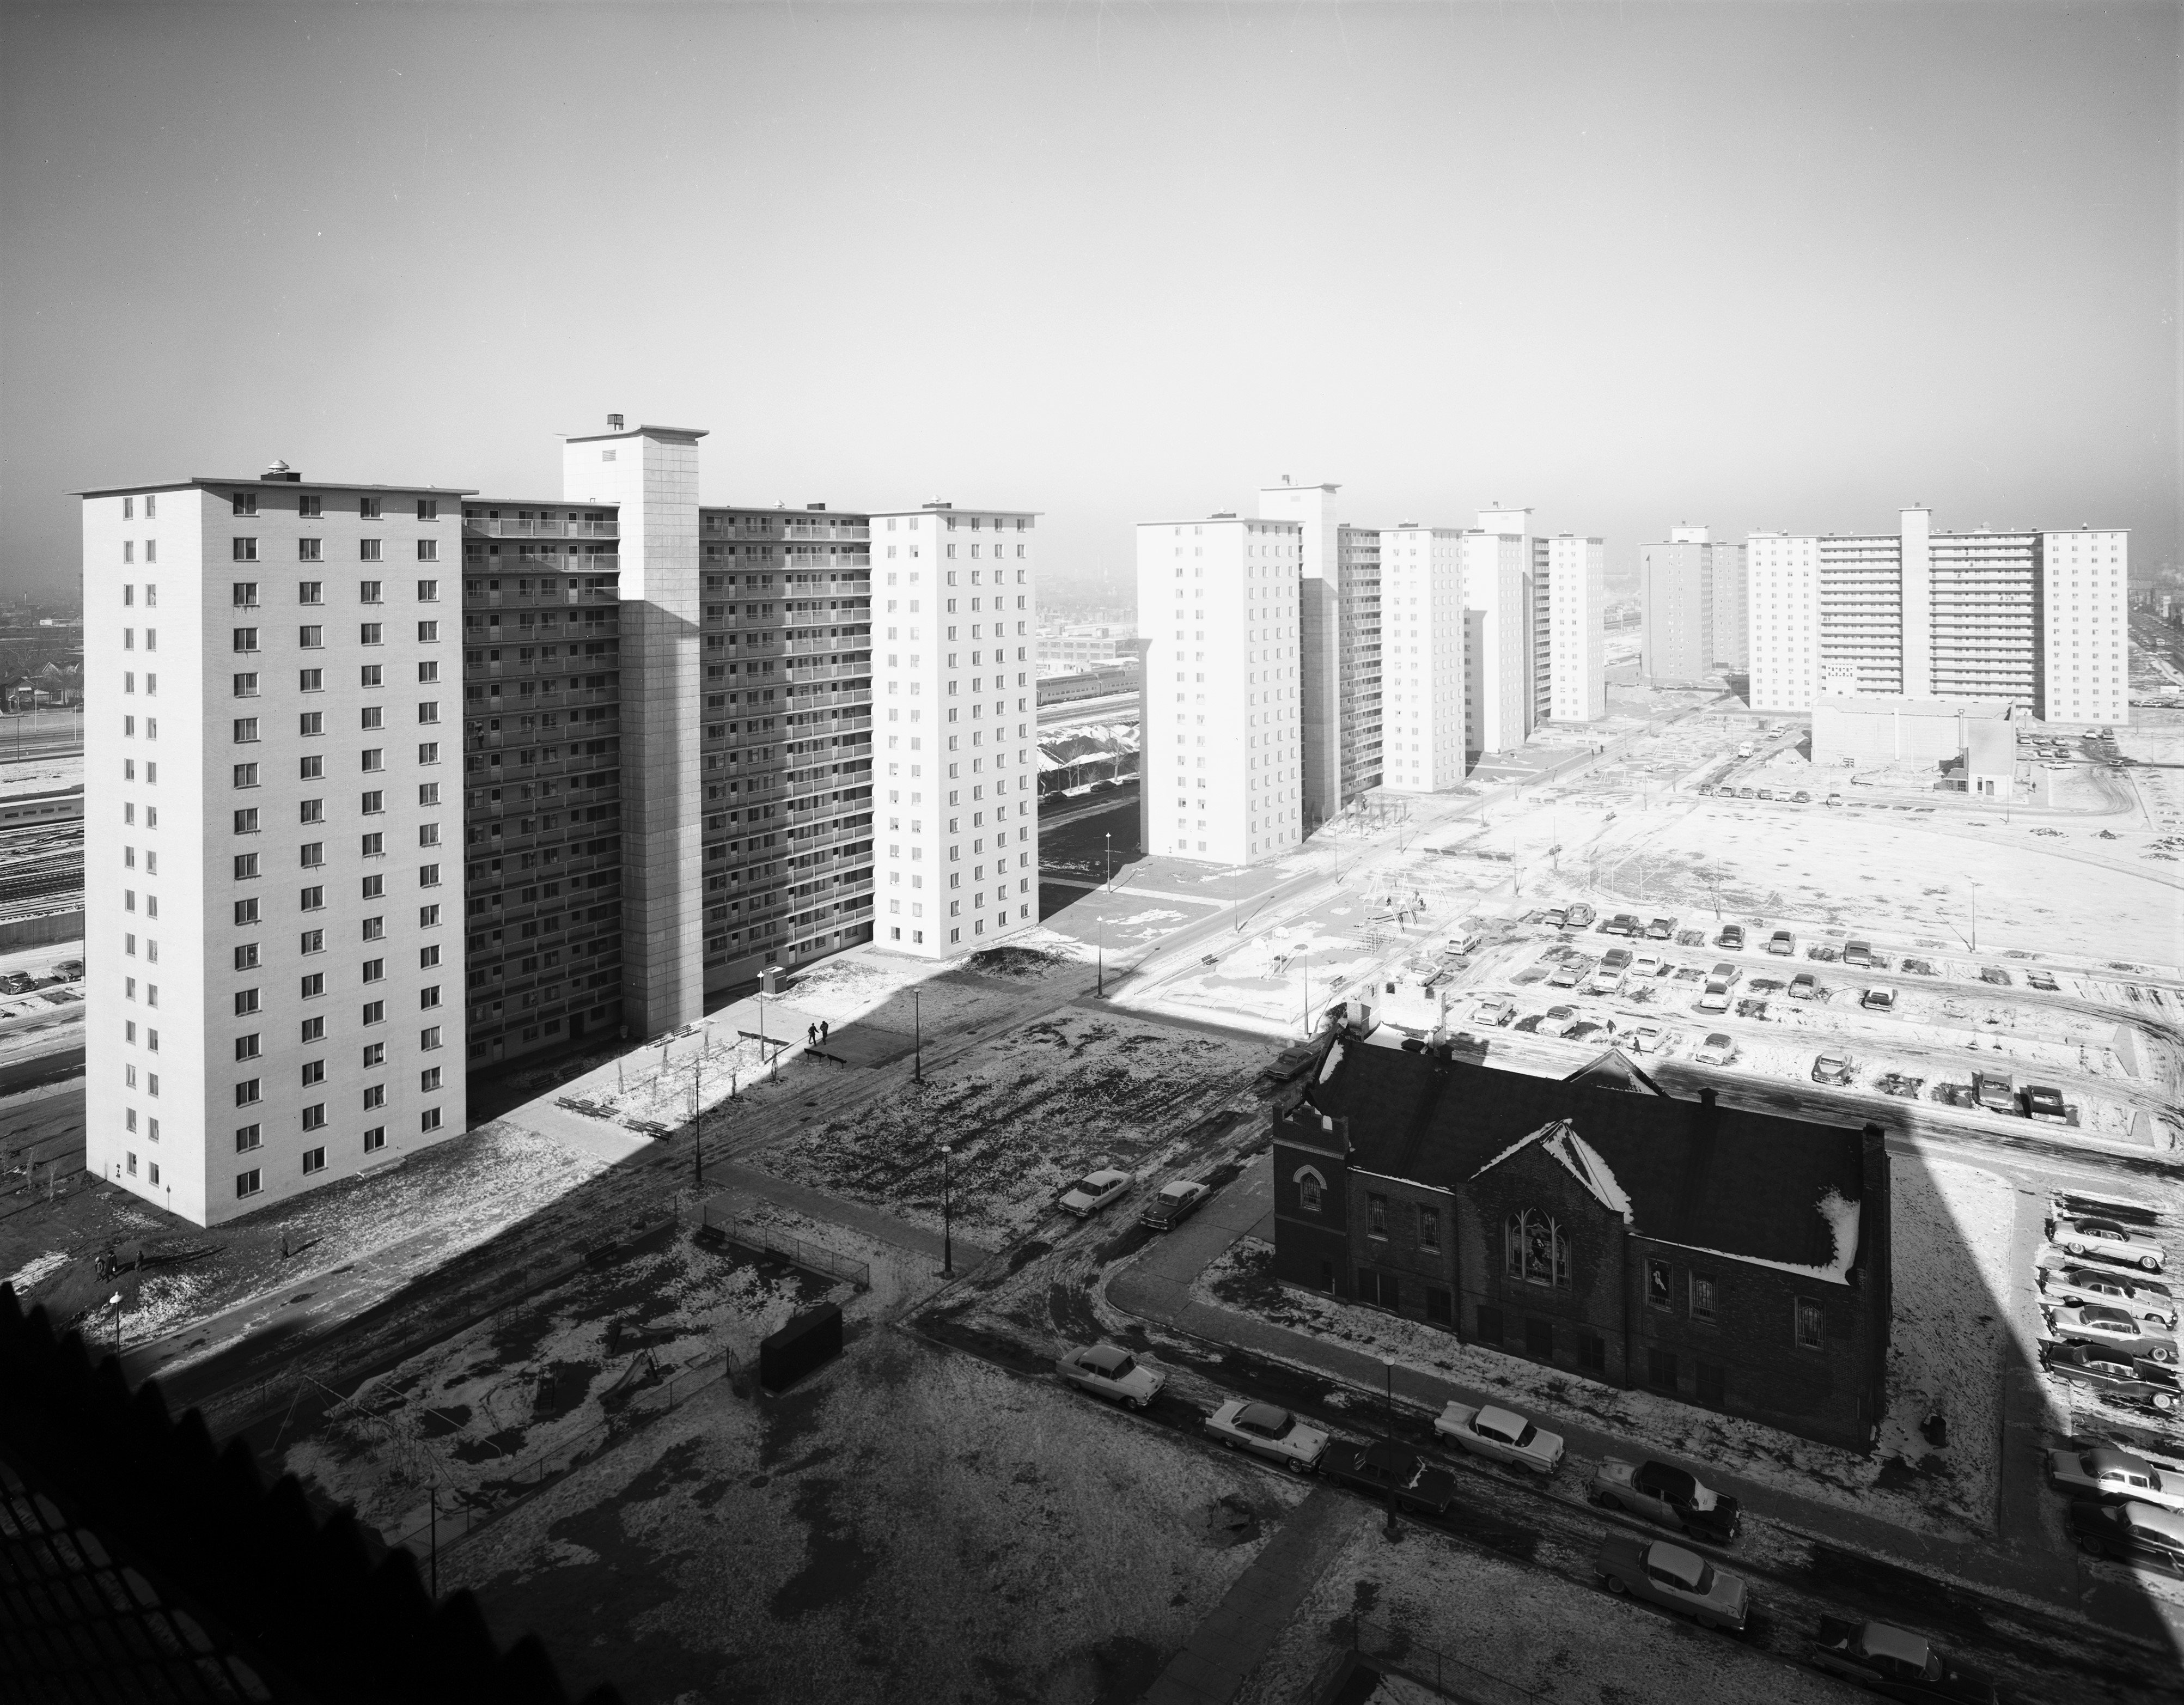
(824, 529)
(554, 527)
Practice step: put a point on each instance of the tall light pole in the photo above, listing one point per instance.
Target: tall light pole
(698, 1118)
(1388, 1368)
(917, 1042)
(947, 1220)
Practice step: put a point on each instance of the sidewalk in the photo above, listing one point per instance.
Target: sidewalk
(1156, 1287)
(1224, 1648)
(735, 1180)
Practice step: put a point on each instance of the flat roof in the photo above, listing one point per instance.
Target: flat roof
(636, 433)
(923, 509)
(549, 502)
(259, 484)
(1217, 519)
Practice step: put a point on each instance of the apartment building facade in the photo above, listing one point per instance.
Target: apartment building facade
(1921, 614)
(1692, 605)
(1421, 625)
(1339, 647)
(1500, 629)
(415, 782)
(276, 947)
(957, 860)
(1223, 753)
(1569, 604)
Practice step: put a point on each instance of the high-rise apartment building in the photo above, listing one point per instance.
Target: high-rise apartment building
(1220, 608)
(1570, 603)
(414, 782)
(958, 855)
(1693, 604)
(1937, 615)
(276, 946)
(1339, 647)
(1499, 628)
(1422, 626)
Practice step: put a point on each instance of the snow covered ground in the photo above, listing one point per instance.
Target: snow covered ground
(1433, 1598)
(1026, 1114)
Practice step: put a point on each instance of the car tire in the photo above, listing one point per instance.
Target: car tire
(2147, 1264)
(1615, 1585)
(2075, 1248)
(1231, 1445)
(2092, 1548)
(1138, 1403)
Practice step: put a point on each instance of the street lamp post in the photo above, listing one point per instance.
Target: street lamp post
(947, 1220)
(917, 1042)
(698, 1120)
(1388, 1368)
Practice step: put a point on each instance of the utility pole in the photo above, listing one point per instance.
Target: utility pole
(698, 1120)
(917, 1042)
(1388, 1367)
(947, 1220)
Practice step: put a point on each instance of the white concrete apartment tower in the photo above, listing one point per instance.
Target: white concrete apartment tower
(1320, 637)
(651, 474)
(1421, 612)
(273, 924)
(1572, 574)
(1498, 632)
(1223, 751)
(2085, 656)
(1782, 582)
(955, 728)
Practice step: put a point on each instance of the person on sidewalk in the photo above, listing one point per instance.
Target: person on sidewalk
(825, 1028)
(812, 1035)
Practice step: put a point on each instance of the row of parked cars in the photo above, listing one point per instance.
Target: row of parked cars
(24, 982)
(1893, 1660)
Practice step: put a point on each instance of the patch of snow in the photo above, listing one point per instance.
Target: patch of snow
(37, 1268)
(1334, 1059)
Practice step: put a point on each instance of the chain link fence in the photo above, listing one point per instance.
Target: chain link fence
(814, 1259)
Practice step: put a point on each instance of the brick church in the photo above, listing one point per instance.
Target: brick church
(1735, 1259)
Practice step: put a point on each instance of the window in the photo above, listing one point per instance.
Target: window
(1538, 1338)
(314, 1116)
(246, 821)
(311, 680)
(311, 592)
(1534, 1249)
(375, 1095)
(245, 550)
(428, 509)
(1441, 1310)
(372, 633)
(246, 1093)
(1309, 1185)
(373, 802)
(1376, 1216)
(314, 1160)
(1702, 1297)
(428, 1039)
(429, 711)
(312, 637)
(311, 508)
(308, 550)
(1811, 1324)
(246, 957)
(367, 509)
(1591, 1351)
(367, 550)
(428, 591)
(428, 633)
(1661, 1369)
(311, 722)
(246, 775)
(374, 716)
(374, 1139)
(375, 1011)
(246, 731)
(315, 1072)
(1429, 1229)
(429, 997)
(429, 1079)
(247, 1184)
(315, 854)
(372, 675)
(312, 941)
(428, 550)
(1659, 1286)
(430, 1120)
(245, 593)
(246, 1002)
(374, 845)
(313, 986)
(312, 1030)
(247, 1138)
(246, 1047)
(428, 752)
(245, 911)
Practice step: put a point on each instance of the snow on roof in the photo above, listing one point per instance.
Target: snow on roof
(1577, 1156)
(1334, 1059)
(1842, 1215)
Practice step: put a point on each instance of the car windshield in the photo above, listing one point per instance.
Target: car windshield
(1267, 1421)
(1120, 1368)
(1087, 1187)
(1176, 1193)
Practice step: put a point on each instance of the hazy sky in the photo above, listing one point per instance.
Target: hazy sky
(1757, 265)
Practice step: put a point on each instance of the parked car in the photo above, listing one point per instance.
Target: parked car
(1669, 1575)
(1494, 1011)
(1108, 1370)
(1674, 1497)
(2076, 1286)
(1716, 1050)
(1804, 986)
(1267, 1431)
(1647, 965)
(1858, 953)
(1731, 937)
(1766, 793)
(1623, 923)
(1173, 1203)
(1896, 1084)
(69, 969)
(1748, 793)
(1566, 975)
(1878, 1000)
(1579, 917)
(2044, 1102)
(1499, 1435)
(1608, 975)
(1994, 974)
(1782, 942)
(2084, 1235)
(1801, 796)
(1371, 1468)
(2106, 1473)
(1832, 1066)
(1714, 999)
(2096, 1323)
(1553, 916)
(2042, 980)
(2118, 1377)
(1726, 972)
(1557, 1021)
(2130, 1533)
(1899, 1664)
(1094, 1191)
(1648, 1039)
(1994, 1091)
(1660, 929)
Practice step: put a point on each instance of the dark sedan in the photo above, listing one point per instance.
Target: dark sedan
(1371, 1468)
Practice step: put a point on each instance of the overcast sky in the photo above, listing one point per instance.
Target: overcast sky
(1756, 266)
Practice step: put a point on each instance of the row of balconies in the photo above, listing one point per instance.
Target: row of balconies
(548, 526)
(557, 593)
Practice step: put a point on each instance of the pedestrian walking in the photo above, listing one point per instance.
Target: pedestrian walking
(825, 1030)
(812, 1035)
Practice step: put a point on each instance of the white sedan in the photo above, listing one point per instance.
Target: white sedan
(1266, 1431)
(1094, 1191)
(1496, 1012)
(1105, 1370)
(1501, 1435)
(2099, 1322)
(2085, 1235)
(1716, 1050)
(2112, 1474)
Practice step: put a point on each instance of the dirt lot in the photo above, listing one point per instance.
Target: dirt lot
(1025, 1114)
(908, 1524)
